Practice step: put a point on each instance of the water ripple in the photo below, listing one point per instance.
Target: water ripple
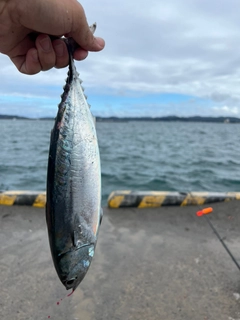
(135, 155)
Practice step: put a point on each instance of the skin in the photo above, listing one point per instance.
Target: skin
(30, 32)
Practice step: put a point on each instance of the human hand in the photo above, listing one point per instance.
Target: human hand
(30, 32)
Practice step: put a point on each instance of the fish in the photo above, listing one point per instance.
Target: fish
(73, 206)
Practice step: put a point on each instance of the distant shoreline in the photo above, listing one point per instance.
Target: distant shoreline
(128, 119)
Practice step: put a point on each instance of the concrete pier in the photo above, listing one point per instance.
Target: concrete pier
(150, 264)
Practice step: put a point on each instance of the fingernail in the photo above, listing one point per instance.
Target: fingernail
(100, 42)
(59, 49)
(45, 44)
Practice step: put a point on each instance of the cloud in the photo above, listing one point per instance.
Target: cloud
(152, 48)
(233, 111)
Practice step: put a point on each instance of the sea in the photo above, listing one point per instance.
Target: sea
(135, 155)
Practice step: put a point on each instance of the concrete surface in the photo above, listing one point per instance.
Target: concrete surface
(150, 264)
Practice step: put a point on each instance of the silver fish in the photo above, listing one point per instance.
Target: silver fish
(73, 210)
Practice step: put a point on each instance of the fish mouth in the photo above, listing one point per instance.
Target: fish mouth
(73, 283)
(76, 271)
(69, 284)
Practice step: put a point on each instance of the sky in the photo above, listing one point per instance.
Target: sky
(161, 58)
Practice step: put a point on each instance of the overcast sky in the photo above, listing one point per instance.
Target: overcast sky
(178, 57)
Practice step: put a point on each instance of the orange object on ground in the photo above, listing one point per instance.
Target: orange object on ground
(204, 211)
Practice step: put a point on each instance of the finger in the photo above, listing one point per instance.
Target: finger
(87, 41)
(80, 54)
(82, 34)
(25, 57)
(46, 54)
(61, 53)
(29, 63)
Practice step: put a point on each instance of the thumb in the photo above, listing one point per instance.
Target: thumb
(83, 35)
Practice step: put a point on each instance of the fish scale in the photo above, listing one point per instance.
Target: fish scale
(73, 209)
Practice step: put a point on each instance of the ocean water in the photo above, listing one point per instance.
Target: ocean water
(161, 156)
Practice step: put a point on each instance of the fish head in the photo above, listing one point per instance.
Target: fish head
(74, 264)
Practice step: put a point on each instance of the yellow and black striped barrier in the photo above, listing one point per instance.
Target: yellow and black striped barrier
(23, 198)
(154, 199)
(127, 199)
